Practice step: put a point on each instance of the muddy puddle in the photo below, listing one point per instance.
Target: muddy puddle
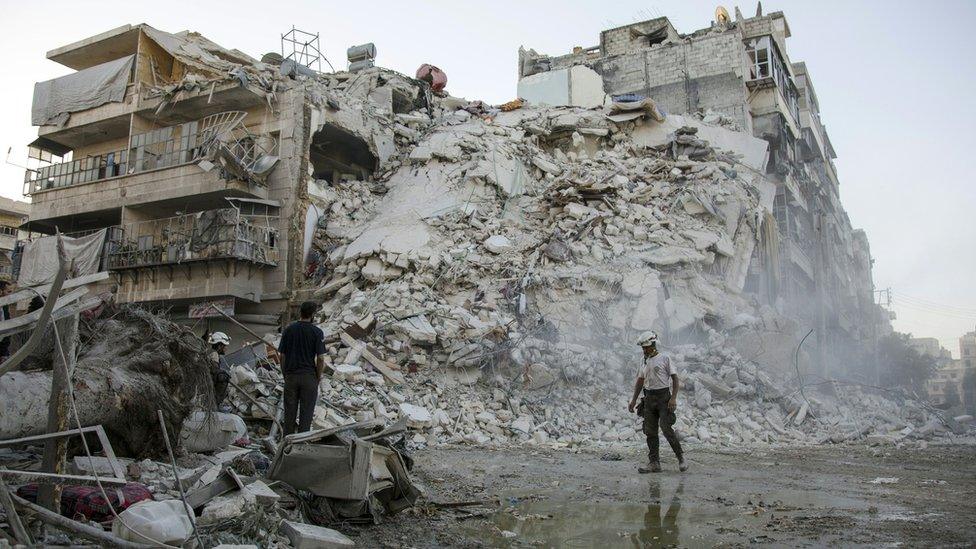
(667, 518)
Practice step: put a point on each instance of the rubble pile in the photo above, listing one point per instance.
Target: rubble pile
(726, 401)
(505, 258)
(484, 285)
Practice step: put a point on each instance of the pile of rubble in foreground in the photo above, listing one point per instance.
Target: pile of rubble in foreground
(726, 401)
(139, 377)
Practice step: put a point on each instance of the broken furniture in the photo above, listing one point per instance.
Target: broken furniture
(353, 471)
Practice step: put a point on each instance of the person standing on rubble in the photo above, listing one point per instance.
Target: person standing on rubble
(658, 379)
(219, 369)
(302, 349)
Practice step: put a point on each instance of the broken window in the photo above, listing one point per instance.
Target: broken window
(649, 37)
(759, 56)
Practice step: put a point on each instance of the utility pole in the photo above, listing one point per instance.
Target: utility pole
(884, 296)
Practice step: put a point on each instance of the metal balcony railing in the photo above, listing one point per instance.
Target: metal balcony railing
(162, 148)
(209, 235)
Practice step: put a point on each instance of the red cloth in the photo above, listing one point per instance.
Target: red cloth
(88, 501)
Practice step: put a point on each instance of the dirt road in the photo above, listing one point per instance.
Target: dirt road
(839, 495)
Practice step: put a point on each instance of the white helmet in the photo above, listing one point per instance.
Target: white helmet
(647, 338)
(219, 337)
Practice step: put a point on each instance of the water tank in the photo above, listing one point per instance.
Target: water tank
(361, 52)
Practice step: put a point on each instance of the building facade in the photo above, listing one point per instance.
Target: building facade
(193, 164)
(967, 362)
(13, 213)
(953, 385)
(814, 266)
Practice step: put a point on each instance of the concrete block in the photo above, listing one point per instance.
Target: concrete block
(263, 494)
(309, 536)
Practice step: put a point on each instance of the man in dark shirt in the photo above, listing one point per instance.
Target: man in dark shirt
(302, 350)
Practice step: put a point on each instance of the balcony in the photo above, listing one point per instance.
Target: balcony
(794, 253)
(247, 156)
(766, 70)
(222, 234)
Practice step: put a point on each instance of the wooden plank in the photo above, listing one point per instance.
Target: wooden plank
(24, 295)
(56, 449)
(37, 438)
(58, 478)
(64, 312)
(16, 324)
(43, 318)
(13, 519)
(109, 452)
(380, 365)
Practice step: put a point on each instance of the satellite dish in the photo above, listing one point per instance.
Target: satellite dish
(722, 15)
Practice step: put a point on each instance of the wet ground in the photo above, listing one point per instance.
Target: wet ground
(808, 497)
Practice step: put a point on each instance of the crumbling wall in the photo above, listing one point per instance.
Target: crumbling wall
(560, 227)
(685, 76)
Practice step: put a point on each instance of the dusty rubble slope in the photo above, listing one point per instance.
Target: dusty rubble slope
(532, 246)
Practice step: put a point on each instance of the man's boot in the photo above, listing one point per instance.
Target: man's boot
(652, 467)
(682, 465)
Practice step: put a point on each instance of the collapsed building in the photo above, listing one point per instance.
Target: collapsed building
(810, 263)
(188, 166)
(482, 271)
(531, 240)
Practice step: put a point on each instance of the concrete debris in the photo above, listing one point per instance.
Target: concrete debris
(308, 536)
(482, 273)
(620, 227)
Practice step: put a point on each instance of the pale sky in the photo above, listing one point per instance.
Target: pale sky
(895, 82)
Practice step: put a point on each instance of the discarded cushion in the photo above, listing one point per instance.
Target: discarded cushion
(87, 501)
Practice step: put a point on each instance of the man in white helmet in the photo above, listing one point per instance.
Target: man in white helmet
(658, 379)
(219, 369)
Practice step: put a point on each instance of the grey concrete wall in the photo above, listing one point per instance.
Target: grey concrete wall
(697, 74)
(194, 281)
(629, 38)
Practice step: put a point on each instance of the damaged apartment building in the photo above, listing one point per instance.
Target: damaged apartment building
(811, 263)
(181, 167)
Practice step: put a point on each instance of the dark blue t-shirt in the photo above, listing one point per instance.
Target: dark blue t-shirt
(301, 343)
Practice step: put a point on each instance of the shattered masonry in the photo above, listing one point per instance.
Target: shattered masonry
(812, 264)
(482, 271)
(526, 244)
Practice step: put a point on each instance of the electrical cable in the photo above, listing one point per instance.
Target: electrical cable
(933, 303)
(934, 311)
(933, 308)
